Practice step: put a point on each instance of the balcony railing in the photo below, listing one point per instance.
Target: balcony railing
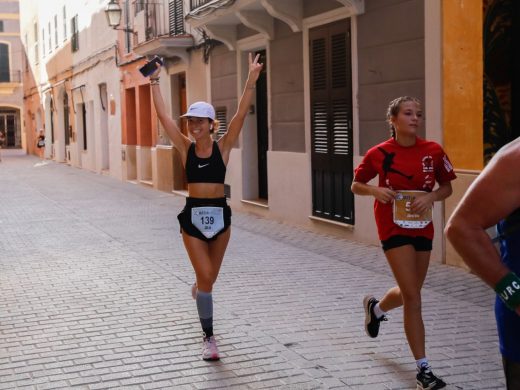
(153, 20)
(11, 77)
(202, 8)
(194, 4)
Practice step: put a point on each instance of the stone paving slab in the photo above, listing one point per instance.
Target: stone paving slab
(95, 286)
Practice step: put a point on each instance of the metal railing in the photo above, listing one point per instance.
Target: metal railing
(11, 77)
(201, 8)
(156, 19)
(194, 4)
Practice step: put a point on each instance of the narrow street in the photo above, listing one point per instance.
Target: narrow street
(95, 294)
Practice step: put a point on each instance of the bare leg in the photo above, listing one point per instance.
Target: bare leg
(409, 268)
(392, 298)
(206, 258)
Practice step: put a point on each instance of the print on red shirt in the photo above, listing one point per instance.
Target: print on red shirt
(415, 168)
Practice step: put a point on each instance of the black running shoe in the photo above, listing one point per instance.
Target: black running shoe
(427, 381)
(371, 321)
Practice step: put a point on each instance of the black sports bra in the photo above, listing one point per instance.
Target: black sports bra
(205, 170)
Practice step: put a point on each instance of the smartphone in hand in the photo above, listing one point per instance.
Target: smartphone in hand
(148, 68)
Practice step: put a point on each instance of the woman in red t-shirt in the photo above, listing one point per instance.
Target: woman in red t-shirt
(408, 168)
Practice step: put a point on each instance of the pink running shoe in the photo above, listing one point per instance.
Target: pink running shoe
(209, 349)
(194, 290)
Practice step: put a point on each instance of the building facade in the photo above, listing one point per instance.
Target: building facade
(157, 28)
(11, 57)
(330, 69)
(71, 83)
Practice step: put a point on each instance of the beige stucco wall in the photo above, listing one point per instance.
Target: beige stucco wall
(162, 167)
(128, 167)
(289, 185)
(234, 176)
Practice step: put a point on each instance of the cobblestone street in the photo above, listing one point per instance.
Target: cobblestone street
(95, 294)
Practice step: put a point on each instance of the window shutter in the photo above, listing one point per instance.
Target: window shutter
(331, 121)
(221, 113)
(4, 62)
(341, 91)
(74, 32)
(176, 14)
(319, 109)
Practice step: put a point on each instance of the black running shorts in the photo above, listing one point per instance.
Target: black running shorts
(185, 216)
(421, 244)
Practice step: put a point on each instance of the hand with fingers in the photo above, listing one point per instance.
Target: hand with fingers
(383, 194)
(254, 70)
(422, 203)
(156, 72)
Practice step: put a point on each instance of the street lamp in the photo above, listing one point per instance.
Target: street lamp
(113, 13)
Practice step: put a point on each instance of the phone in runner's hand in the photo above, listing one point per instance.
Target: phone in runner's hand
(148, 68)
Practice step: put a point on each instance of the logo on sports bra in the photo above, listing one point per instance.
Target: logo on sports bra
(204, 165)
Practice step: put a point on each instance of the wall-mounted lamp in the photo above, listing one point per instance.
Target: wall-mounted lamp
(113, 13)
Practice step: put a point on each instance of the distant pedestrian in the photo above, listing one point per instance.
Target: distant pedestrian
(494, 199)
(206, 218)
(40, 144)
(2, 141)
(408, 168)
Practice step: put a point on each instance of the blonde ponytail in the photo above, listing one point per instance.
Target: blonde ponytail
(215, 123)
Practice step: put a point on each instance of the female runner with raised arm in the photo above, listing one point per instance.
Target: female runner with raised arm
(205, 220)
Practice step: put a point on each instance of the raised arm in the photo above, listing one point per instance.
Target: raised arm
(235, 126)
(180, 141)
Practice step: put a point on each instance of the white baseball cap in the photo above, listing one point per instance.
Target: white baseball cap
(201, 110)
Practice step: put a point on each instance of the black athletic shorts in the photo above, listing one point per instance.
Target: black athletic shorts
(185, 216)
(421, 244)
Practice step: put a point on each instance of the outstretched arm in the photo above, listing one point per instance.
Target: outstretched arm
(180, 141)
(493, 195)
(229, 139)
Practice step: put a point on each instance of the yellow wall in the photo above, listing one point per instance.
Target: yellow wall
(462, 83)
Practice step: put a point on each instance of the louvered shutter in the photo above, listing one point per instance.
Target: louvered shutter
(176, 16)
(331, 121)
(4, 63)
(221, 113)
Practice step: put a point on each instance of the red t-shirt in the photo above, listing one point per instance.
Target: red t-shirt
(415, 168)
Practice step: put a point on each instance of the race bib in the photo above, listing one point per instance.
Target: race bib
(209, 220)
(403, 216)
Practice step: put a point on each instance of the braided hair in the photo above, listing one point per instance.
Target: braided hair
(393, 110)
